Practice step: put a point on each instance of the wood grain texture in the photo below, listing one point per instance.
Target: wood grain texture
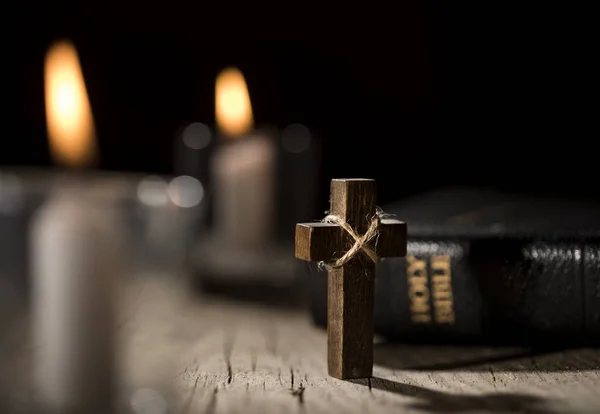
(351, 287)
(318, 241)
(392, 238)
(227, 357)
(325, 241)
(206, 355)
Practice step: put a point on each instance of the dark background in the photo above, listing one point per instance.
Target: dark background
(418, 96)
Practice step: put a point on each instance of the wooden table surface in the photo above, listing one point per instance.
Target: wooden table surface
(209, 355)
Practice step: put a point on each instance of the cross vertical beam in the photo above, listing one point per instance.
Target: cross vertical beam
(350, 289)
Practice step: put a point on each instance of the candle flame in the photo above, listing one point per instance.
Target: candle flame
(69, 118)
(232, 103)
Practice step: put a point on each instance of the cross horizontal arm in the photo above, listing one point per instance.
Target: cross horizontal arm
(392, 238)
(324, 241)
(318, 241)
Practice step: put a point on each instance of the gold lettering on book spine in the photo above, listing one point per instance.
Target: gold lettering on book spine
(441, 286)
(418, 290)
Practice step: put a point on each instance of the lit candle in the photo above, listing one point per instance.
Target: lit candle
(75, 257)
(242, 170)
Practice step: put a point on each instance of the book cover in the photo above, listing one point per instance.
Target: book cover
(486, 267)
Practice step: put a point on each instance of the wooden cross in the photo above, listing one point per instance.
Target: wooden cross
(350, 291)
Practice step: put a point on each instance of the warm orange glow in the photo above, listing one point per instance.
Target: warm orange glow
(69, 118)
(232, 103)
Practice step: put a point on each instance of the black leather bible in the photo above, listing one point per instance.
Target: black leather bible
(487, 268)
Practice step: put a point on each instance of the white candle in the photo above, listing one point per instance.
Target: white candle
(243, 198)
(75, 260)
(242, 170)
(75, 254)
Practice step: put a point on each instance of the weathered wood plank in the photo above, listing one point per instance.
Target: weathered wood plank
(210, 356)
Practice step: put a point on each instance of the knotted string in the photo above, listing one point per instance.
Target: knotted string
(360, 242)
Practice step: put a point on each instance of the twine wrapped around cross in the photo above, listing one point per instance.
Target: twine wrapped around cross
(360, 242)
(353, 220)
